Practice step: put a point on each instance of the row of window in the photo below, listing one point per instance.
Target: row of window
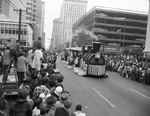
(127, 15)
(2, 42)
(30, 3)
(30, 8)
(121, 30)
(5, 31)
(124, 23)
(30, 18)
(33, 1)
(6, 25)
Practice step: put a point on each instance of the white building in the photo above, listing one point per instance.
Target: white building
(9, 30)
(71, 11)
(55, 42)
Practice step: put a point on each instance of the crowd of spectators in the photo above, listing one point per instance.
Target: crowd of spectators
(136, 68)
(40, 91)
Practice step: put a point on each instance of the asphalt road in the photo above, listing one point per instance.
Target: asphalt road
(112, 96)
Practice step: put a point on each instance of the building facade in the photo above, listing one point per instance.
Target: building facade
(9, 30)
(71, 11)
(35, 15)
(56, 43)
(8, 7)
(116, 29)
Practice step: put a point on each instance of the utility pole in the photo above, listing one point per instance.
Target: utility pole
(19, 30)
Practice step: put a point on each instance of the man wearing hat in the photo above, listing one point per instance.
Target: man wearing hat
(58, 90)
(57, 76)
(63, 99)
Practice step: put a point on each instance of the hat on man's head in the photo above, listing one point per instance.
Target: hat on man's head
(56, 70)
(58, 90)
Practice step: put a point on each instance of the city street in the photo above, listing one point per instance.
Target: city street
(113, 96)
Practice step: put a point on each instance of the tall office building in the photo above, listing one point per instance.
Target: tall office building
(55, 41)
(71, 11)
(116, 29)
(35, 15)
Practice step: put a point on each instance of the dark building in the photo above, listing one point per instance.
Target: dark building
(117, 29)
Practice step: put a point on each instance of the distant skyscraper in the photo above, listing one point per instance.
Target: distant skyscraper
(35, 15)
(71, 11)
(55, 42)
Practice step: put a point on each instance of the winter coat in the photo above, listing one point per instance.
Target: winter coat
(20, 108)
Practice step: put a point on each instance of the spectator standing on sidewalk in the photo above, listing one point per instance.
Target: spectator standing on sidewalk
(64, 111)
(78, 111)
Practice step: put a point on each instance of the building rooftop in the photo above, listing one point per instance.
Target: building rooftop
(114, 10)
(120, 10)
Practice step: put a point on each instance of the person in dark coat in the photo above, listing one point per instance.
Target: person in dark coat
(64, 111)
(21, 107)
(57, 76)
(37, 44)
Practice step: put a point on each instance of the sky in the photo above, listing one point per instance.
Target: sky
(52, 10)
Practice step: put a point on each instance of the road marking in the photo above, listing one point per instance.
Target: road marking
(103, 97)
(141, 94)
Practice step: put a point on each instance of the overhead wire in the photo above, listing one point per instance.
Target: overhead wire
(22, 3)
(14, 7)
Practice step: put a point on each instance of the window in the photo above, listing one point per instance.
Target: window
(6, 31)
(25, 32)
(34, 6)
(9, 31)
(34, 10)
(2, 30)
(14, 31)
